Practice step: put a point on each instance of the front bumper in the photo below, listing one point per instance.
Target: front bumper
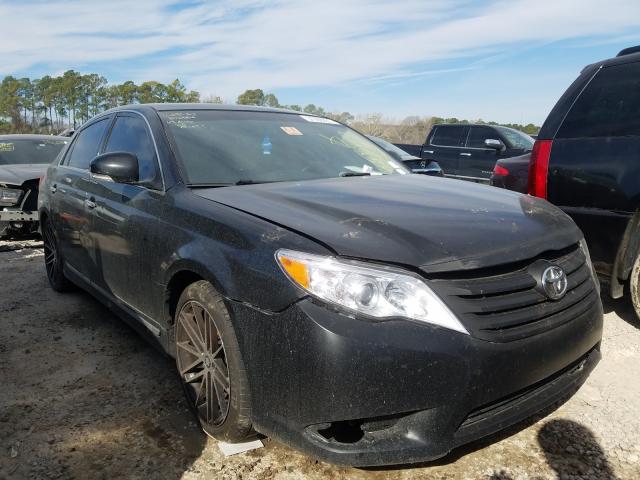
(353, 392)
(18, 216)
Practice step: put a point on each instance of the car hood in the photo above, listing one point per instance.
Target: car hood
(18, 174)
(432, 223)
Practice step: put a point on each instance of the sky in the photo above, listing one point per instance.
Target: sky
(507, 61)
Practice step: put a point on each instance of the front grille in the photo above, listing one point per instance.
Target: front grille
(507, 305)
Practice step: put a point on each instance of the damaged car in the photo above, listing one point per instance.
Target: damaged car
(23, 161)
(312, 289)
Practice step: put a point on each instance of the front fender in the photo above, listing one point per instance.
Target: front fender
(241, 263)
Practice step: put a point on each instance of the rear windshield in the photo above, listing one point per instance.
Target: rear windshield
(22, 152)
(608, 107)
(230, 147)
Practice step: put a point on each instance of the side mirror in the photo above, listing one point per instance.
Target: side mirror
(122, 167)
(494, 143)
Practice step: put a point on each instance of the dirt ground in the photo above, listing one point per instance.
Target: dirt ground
(83, 396)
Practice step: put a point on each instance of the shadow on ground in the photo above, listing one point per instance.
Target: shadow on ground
(83, 395)
(621, 307)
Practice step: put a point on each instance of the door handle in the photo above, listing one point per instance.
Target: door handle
(430, 152)
(53, 188)
(90, 204)
(464, 154)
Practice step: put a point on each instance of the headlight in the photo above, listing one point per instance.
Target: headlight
(9, 196)
(375, 291)
(585, 250)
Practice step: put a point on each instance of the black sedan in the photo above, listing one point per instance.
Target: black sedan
(311, 289)
(512, 173)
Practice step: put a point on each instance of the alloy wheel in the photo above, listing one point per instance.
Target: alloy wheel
(51, 257)
(202, 363)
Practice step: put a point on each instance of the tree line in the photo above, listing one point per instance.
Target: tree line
(410, 130)
(50, 104)
(53, 103)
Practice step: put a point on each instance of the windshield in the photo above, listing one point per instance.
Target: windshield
(391, 148)
(516, 138)
(235, 147)
(22, 152)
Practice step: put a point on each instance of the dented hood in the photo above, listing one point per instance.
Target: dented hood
(18, 174)
(432, 223)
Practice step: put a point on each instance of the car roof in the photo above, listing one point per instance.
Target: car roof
(622, 57)
(30, 136)
(160, 107)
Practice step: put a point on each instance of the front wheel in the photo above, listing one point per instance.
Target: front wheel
(53, 261)
(210, 364)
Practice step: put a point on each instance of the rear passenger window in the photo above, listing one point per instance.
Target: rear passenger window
(477, 136)
(130, 134)
(608, 107)
(448, 136)
(86, 146)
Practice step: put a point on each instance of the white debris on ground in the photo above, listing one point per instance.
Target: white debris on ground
(83, 396)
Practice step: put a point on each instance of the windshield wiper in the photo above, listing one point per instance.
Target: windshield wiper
(226, 184)
(354, 174)
(249, 182)
(208, 185)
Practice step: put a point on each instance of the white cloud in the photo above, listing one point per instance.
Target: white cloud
(227, 46)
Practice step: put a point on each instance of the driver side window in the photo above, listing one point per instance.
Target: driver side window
(130, 134)
(477, 136)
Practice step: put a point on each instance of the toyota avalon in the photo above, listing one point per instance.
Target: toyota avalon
(312, 289)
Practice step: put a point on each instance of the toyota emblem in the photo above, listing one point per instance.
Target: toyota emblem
(554, 282)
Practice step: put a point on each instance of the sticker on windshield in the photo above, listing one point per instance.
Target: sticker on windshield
(291, 131)
(6, 147)
(312, 119)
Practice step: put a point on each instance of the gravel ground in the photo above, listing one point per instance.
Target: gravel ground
(83, 396)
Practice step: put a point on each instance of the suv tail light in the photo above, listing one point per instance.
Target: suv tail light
(500, 170)
(538, 168)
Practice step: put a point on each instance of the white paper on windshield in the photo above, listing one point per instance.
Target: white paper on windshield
(312, 119)
(291, 131)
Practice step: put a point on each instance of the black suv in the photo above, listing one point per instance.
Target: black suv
(291, 267)
(587, 161)
(470, 152)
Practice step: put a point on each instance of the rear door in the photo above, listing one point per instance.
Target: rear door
(594, 165)
(476, 160)
(72, 186)
(445, 144)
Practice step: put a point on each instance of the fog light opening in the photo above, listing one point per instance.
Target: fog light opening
(349, 431)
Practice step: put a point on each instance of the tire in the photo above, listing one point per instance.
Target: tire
(634, 286)
(4, 230)
(210, 364)
(53, 261)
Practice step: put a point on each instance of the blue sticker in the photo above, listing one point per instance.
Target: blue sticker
(266, 145)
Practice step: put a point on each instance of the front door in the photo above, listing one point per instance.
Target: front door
(126, 225)
(476, 159)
